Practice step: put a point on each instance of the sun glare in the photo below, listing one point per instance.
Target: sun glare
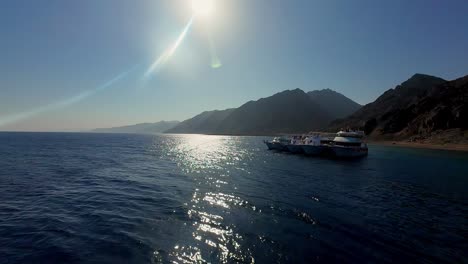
(203, 7)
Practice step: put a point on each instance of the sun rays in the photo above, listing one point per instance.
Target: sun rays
(169, 52)
(65, 102)
(201, 10)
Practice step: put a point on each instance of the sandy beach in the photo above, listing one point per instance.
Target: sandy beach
(450, 146)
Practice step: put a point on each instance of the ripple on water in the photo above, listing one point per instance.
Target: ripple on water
(215, 239)
(93, 198)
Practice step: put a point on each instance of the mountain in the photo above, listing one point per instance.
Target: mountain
(143, 128)
(423, 108)
(290, 111)
(441, 115)
(334, 103)
(204, 123)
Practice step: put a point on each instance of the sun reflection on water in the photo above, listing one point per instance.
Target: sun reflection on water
(210, 160)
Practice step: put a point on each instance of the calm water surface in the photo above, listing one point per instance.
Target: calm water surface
(104, 198)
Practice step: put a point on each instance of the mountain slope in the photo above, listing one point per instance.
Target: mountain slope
(422, 108)
(290, 111)
(143, 128)
(204, 123)
(334, 103)
(374, 114)
(441, 115)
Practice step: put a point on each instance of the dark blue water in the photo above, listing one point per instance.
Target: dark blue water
(103, 198)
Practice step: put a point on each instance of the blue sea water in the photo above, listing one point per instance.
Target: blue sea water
(121, 198)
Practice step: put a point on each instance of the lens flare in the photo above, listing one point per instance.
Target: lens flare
(167, 54)
(215, 61)
(64, 103)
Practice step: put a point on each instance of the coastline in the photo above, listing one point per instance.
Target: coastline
(449, 146)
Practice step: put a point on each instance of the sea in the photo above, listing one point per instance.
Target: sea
(126, 198)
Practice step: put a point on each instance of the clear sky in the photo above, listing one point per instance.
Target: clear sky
(77, 65)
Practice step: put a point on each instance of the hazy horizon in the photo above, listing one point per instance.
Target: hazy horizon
(76, 66)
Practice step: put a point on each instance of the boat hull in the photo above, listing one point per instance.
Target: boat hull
(343, 152)
(312, 150)
(275, 146)
(296, 149)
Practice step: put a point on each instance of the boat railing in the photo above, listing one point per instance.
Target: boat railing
(322, 134)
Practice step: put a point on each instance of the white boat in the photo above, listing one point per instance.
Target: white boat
(295, 146)
(349, 144)
(313, 145)
(278, 143)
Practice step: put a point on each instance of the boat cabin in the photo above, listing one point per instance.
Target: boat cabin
(349, 138)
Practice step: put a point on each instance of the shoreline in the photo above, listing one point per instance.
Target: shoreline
(450, 146)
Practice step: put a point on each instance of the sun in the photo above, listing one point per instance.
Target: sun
(203, 7)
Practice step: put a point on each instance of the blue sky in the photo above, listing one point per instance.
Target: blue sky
(59, 56)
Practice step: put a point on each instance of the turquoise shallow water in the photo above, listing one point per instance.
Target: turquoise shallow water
(109, 198)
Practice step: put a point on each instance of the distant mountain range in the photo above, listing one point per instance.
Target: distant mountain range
(423, 108)
(290, 111)
(143, 128)
(204, 123)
